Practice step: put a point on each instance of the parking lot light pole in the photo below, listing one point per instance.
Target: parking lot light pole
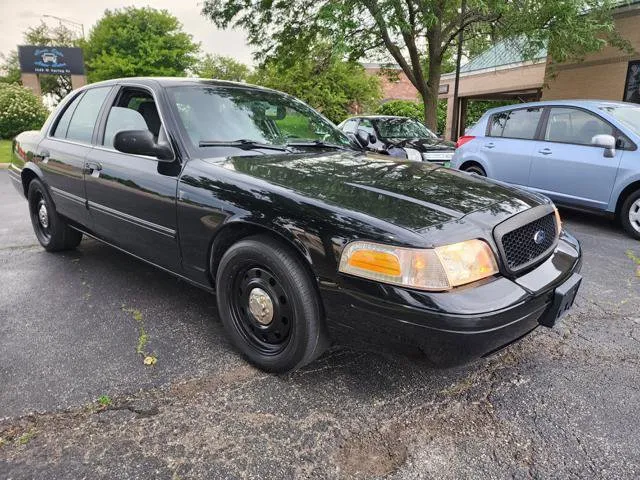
(66, 20)
(455, 127)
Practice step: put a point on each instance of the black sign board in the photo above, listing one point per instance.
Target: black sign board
(52, 60)
(632, 84)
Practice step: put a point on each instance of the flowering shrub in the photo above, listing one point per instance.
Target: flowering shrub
(20, 110)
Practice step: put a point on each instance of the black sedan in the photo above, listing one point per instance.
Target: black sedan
(400, 137)
(252, 195)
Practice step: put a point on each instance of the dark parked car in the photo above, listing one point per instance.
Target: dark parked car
(400, 137)
(251, 194)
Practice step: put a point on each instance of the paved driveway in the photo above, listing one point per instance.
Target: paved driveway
(563, 403)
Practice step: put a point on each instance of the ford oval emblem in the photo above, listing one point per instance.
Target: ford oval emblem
(539, 237)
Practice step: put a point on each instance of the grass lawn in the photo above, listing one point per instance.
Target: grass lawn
(5, 151)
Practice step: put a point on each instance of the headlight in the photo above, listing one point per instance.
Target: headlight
(413, 154)
(441, 268)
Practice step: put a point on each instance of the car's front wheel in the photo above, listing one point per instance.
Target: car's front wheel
(630, 214)
(475, 168)
(52, 231)
(269, 305)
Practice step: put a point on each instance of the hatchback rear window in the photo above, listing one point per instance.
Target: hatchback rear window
(521, 123)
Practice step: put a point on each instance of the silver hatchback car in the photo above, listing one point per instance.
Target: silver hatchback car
(582, 154)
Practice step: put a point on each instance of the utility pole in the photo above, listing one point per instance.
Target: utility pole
(455, 128)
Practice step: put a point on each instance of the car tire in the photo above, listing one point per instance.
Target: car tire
(51, 230)
(269, 305)
(475, 168)
(630, 215)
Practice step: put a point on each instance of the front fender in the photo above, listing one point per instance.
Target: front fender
(622, 188)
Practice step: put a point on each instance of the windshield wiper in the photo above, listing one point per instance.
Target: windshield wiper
(242, 143)
(316, 143)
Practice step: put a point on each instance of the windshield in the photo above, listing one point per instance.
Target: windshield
(402, 128)
(628, 115)
(227, 114)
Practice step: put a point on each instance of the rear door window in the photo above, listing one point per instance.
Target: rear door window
(521, 123)
(63, 124)
(572, 125)
(85, 115)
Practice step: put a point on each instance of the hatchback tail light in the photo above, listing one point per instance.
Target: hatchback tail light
(464, 139)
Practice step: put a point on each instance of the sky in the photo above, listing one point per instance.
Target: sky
(17, 15)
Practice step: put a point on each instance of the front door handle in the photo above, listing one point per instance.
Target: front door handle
(90, 167)
(545, 151)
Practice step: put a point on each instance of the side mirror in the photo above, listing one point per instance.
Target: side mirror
(141, 142)
(365, 138)
(608, 142)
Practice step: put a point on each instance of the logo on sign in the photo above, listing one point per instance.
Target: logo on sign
(49, 58)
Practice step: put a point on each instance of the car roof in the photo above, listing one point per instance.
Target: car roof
(377, 117)
(179, 81)
(587, 103)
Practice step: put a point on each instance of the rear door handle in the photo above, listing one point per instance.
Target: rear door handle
(545, 151)
(489, 145)
(90, 167)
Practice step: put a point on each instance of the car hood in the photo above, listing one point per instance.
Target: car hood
(413, 195)
(421, 144)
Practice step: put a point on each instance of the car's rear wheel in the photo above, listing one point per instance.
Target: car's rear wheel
(475, 168)
(269, 305)
(630, 214)
(51, 230)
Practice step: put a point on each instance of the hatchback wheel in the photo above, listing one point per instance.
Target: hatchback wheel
(52, 231)
(477, 169)
(269, 305)
(630, 214)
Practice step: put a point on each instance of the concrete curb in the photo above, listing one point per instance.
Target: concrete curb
(4, 165)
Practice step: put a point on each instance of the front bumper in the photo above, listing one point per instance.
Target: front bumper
(457, 326)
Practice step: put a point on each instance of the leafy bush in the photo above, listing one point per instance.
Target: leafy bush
(407, 108)
(20, 110)
(402, 108)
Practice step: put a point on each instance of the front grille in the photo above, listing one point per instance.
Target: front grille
(524, 245)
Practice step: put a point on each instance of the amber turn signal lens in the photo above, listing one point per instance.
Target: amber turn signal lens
(375, 261)
(436, 269)
(558, 219)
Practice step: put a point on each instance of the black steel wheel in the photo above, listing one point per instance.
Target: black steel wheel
(51, 230)
(261, 310)
(269, 305)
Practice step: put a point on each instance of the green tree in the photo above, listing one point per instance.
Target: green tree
(42, 35)
(417, 34)
(136, 42)
(323, 80)
(221, 68)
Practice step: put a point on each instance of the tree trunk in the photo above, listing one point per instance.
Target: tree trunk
(430, 95)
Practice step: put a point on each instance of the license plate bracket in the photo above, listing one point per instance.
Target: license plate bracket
(563, 298)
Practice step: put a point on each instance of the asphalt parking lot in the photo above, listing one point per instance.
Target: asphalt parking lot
(563, 403)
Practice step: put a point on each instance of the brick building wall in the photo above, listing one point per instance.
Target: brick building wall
(601, 75)
(400, 88)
